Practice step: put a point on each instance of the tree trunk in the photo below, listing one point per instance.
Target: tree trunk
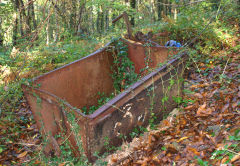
(15, 30)
(15, 22)
(79, 28)
(169, 8)
(73, 15)
(98, 22)
(24, 19)
(29, 15)
(102, 21)
(133, 6)
(165, 7)
(1, 33)
(47, 29)
(32, 15)
(175, 13)
(107, 19)
(159, 9)
(92, 27)
(56, 32)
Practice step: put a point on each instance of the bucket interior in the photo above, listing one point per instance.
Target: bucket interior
(80, 82)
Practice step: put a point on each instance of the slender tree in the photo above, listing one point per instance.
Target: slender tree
(133, 6)
(159, 9)
(1, 33)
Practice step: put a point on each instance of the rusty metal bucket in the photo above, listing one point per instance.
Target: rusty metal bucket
(76, 85)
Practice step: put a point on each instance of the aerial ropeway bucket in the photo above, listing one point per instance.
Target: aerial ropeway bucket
(75, 85)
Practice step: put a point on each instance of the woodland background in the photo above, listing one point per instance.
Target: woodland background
(37, 36)
(49, 21)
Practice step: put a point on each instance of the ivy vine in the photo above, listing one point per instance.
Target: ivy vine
(123, 68)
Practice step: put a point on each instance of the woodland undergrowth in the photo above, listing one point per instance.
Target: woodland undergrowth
(204, 131)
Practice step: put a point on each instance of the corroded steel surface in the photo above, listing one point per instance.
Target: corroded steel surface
(79, 81)
(144, 55)
(78, 84)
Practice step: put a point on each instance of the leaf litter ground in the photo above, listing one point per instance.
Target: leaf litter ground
(205, 130)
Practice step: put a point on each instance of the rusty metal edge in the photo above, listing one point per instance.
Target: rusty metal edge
(76, 61)
(58, 99)
(140, 44)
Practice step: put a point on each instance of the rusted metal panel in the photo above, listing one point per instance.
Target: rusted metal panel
(78, 82)
(77, 85)
(143, 55)
(51, 119)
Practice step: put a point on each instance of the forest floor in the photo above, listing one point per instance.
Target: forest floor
(205, 130)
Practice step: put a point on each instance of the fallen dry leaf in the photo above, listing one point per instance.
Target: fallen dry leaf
(201, 109)
(198, 95)
(22, 154)
(190, 107)
(236, 157)
(181, 139)
(190, 149)
(166, 123)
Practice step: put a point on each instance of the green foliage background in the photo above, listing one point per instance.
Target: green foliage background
(212, 23)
